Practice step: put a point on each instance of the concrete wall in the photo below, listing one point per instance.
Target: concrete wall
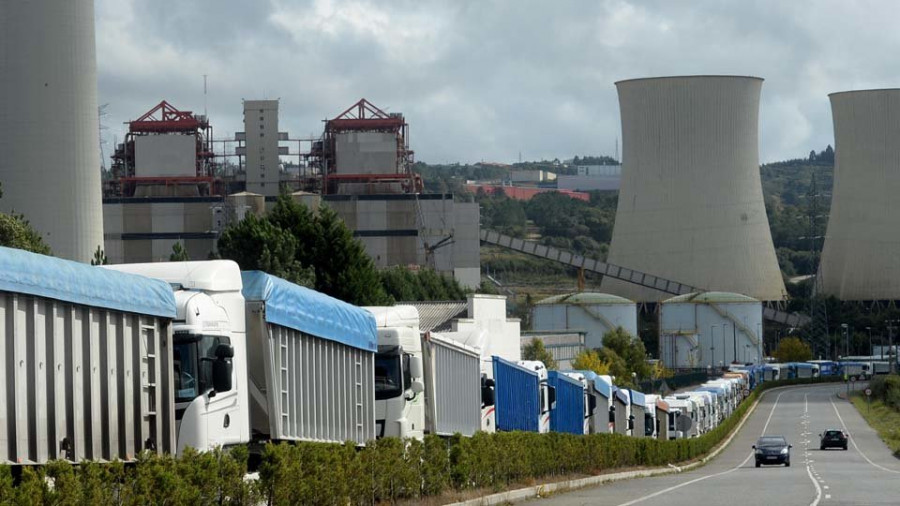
(691, 205)
(262, 162)
(859, 257)
(50, 163)
(165, 155)
(396, 228)
(138, 231)
(366, 153)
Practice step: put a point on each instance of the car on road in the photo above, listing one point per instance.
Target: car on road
(833, 438)
(772, 450)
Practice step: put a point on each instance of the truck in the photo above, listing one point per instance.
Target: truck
(87, 362)
(639, 413)
(524, 398)
(624, 423)
(802, 370)
(571, 413)
(425, 383)
(257, 358)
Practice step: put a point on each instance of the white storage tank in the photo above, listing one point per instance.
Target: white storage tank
(594, 314)
(710, 329)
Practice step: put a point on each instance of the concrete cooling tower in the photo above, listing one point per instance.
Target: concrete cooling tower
(861, 254)
(690, 204)
(50, 162)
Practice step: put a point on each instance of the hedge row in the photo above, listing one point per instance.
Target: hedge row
(384, 471)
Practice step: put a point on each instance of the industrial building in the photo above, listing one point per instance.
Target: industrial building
(710, 329)
(691, 205)
(50, 168)
(594, 314)
(364, 158)
(592, 177)
(260, 147)
(861, 248)
(564, 346)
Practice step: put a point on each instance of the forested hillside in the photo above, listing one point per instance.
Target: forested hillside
(794, 191)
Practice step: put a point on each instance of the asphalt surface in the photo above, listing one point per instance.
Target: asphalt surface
(866, 474)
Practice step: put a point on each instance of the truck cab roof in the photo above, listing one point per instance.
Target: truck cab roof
(209, 275)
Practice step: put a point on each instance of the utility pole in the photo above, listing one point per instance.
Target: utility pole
(818, 331)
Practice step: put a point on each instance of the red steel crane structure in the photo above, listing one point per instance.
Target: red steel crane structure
(165, 119)
(363, 116)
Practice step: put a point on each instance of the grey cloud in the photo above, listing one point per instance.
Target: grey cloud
(486, 80)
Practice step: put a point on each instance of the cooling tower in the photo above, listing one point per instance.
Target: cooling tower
(861, 254)
(690, 204)
(49, 145)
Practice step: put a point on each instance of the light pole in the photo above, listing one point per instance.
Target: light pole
(871, 349)
(846, 330)
(724, 348)
(892, 357)
(712, 345)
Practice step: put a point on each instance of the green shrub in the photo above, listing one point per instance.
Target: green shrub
(384, 471)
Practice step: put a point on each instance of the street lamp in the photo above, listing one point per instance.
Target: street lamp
(712, 345)
(846, 330)
(871, 349)
(724, 348)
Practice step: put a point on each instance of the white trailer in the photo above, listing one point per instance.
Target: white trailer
(86, 362)
(424, 383)
(257, 358)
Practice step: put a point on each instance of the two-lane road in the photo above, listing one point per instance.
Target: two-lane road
(866, 474)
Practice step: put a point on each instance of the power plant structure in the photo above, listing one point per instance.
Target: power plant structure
(171, 186)
(593, 314)
(710, 329)
(365, 164)
(691, 206)
(862, 245)
(49, 130)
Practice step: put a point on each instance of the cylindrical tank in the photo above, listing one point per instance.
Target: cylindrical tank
(593, 313)
(710, 329)
(49, 132)
(859, 257)
(691, 205)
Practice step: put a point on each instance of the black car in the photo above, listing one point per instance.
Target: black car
(833, 438)
(772, 450)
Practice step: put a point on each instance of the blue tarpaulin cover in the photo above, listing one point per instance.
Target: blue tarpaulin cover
(77, 283)
(637, 398)
(309, 311)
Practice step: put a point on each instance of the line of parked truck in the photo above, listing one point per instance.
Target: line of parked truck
(103, 363)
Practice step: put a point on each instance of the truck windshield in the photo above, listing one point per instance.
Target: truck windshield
(388, 376)
(193, 356)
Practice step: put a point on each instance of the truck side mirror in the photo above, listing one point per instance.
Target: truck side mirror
(487, 392)
(551, 396)
(221, 368)
(417, 387)
(415, 367)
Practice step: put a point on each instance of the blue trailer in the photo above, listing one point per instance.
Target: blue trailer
(569, 413)
(517, 396)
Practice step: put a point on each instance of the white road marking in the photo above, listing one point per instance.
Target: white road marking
(853, 440)
(826, 487)
(827, 496)
(808, 468)
(695, 480)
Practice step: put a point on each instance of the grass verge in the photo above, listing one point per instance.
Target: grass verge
(884, 419)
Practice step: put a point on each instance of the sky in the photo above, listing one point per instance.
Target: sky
(488, 80)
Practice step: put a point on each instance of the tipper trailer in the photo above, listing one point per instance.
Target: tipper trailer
(524, 399)
(570, 413)
(86, 361)
(257, 358)
(425, 383)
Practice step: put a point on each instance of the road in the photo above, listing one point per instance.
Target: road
(866, 474)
